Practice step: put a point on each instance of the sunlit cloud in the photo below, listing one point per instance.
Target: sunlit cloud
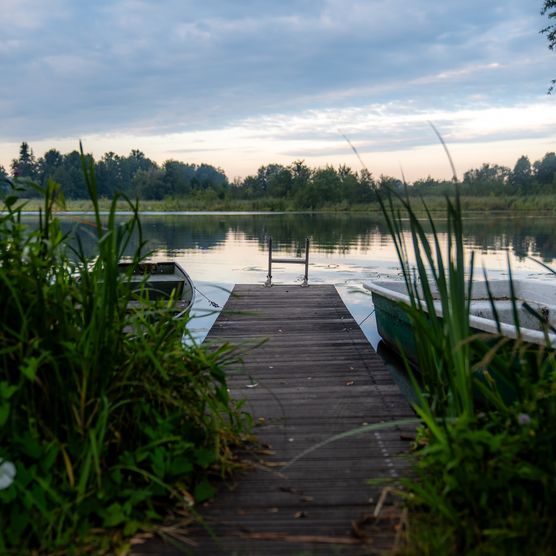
(240, 84)
(383, 134)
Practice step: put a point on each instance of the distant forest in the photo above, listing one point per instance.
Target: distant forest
(299, 185)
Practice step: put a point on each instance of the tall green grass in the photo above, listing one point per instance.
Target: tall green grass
(111, 423)
(486, 452)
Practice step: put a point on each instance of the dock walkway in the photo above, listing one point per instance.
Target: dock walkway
(315, 376)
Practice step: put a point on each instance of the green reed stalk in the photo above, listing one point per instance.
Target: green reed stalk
(485, 459)
(109, 420)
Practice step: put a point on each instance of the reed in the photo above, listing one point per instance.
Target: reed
(485, 453)
(107, 419)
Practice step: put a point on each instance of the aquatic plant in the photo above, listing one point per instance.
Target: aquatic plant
(486, 452)
(108, 421)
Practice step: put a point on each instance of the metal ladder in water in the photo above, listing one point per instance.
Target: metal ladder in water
(271, 260)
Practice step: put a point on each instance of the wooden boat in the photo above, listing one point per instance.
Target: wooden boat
(162, 280)
(394, 327)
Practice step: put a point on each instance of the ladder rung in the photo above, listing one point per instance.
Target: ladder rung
(295, 261)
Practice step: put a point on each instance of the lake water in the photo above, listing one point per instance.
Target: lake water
(347, 250)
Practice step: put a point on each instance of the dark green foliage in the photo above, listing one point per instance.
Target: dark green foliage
(490, 177)
(109, 420)
(274, 186)
(25, 166)
(486, 453)
(545, 169)
(549, 9)
(521, 177)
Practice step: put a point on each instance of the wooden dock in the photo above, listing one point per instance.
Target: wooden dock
(315, 376)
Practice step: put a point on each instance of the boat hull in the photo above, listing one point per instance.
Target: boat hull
(161, 280)
(395, 328)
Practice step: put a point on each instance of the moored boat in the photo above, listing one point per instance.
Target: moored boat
(395, 329)
(162, 280)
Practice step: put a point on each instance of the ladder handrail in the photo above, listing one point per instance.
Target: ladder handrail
(271, 260)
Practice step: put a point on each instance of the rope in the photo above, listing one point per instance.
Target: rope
(360, 323)
(213, 303)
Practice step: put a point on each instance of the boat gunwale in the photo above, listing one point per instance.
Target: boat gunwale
(178, 271)
(481, 324)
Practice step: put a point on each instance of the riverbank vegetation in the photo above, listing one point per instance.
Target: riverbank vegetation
(485, 471)
(176, 185)
(545, 204)
(108, 423)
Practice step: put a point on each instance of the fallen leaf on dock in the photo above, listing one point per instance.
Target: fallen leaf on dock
(290, 490)
(350, 382)
(300, 515)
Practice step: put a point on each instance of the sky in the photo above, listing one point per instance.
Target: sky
(242, 83)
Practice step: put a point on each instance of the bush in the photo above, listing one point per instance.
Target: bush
(108, 420)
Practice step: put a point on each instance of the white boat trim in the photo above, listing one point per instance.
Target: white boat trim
(540, 295)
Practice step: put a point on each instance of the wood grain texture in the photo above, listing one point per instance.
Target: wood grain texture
(316, 375)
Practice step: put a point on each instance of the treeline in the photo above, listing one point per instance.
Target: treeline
(294, 186)
(135, 175)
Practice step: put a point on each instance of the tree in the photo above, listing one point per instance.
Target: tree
(251, 187)
(489, 178)
(178, 178)
(280, 183)
(3, 173)
(388, 183)
(522, 174)
(301, 174)
(25, 166)
(48, 164)
(265, 175)
(549, 9)
(69, 174)
(129, 167)
(110, 175)
(207, 176)
(545, 169)
(150, 184)
(323, 188)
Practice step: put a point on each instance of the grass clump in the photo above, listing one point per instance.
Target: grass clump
(106, 420)
(485, 471)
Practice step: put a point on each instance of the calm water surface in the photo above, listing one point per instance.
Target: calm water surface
(347, 250)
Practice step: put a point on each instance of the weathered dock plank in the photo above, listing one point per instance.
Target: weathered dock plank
(316, 375)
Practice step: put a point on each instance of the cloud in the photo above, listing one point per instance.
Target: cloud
(295, 70)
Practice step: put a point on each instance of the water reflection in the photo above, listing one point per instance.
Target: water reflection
(340, 234)
(346, 250)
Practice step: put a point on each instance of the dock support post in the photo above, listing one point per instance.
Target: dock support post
(268, 282)
(305, 283)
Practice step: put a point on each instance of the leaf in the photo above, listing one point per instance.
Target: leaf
(116, 476)
(158, 464)
(131, 527)
(30, 446)
(181, 466)
(203, 491)
(10, 200)
(114, 515)
(30, 368)
(7, 390)
(204, 457)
